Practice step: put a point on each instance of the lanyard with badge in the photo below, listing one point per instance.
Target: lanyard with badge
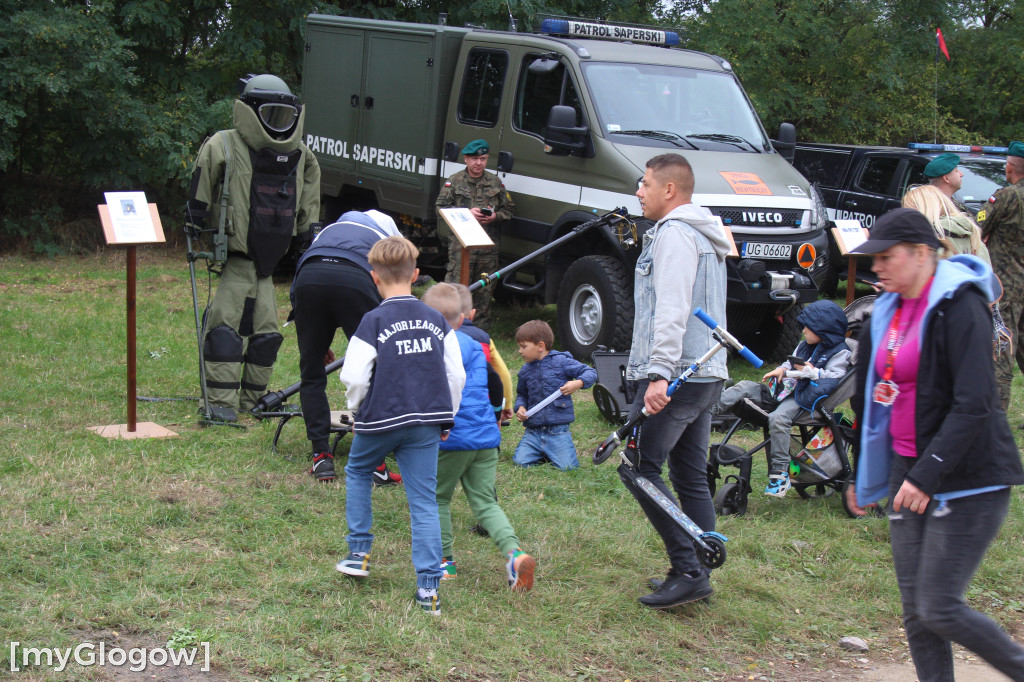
(886, 390)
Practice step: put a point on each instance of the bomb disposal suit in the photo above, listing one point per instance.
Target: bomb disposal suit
(273, 194)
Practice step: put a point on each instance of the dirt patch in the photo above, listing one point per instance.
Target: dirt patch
(182, 672)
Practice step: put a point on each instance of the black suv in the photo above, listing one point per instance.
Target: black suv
(863, 182)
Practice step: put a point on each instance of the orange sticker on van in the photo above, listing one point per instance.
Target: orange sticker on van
(745, 183)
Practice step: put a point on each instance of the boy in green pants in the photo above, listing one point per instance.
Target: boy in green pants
(470, 455)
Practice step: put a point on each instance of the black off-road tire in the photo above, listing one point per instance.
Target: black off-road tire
(595, 306)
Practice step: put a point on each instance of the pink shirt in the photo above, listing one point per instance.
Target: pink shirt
(908, 357)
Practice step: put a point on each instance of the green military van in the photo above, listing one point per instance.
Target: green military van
(572, 114)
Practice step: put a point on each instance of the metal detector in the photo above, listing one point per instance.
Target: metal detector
(617, 217)
(710, 545)
(272, 406)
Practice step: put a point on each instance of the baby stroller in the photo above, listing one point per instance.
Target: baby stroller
(825, 436)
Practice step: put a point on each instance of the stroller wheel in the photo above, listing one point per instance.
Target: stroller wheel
(814, 491)
(730, 499)
(714, 556)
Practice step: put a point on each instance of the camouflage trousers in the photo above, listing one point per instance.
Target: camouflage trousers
(480, 261)
(1012, 310)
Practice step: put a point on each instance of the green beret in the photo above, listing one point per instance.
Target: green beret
(1016, 149)
(942, 164)
(476, 148)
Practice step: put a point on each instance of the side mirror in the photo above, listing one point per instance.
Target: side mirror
(505, 162)
(786, 142)
(562, 136)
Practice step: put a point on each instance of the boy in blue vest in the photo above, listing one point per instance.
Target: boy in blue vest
(547, 436)
(827, 359)
(470, 454)
(397, 366)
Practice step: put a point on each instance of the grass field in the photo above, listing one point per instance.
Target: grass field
(213, 537)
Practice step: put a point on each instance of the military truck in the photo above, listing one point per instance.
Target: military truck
(572, 114)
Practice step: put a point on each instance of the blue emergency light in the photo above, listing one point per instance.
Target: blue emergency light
(962, 148)
(585, 29)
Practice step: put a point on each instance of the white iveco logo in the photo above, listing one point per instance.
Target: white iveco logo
(751, 217)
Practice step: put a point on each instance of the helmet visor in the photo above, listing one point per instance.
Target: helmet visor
(278, 117)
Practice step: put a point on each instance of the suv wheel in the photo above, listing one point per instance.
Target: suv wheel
(758, 328)
(595, 306)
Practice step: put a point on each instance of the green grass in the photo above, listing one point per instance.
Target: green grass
(212, 536)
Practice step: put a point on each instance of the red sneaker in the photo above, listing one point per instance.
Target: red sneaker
(384, 477)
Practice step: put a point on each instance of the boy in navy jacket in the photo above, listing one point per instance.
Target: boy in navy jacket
(547, 434)
(397, 363)
(470, 454)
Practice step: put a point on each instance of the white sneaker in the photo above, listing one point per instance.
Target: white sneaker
(778, 485)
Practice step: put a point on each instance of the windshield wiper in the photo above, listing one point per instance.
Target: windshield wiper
(722, 137)
(658, 135)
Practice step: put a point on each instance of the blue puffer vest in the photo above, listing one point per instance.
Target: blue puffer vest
(475, 426)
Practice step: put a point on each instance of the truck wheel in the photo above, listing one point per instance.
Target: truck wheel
(760, 330)
(595, 306)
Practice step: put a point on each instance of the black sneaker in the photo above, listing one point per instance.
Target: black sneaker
(323, 467)
(678, 590)
(381, 476)
(479, 530)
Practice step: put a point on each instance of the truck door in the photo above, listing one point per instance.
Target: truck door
(395, 89)
(874, 190)
(333, 70)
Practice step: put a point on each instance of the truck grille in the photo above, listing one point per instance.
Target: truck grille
(758, 217)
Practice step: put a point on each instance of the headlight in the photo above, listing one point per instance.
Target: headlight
(819, 212)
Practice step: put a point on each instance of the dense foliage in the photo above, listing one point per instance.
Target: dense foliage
(117, 94)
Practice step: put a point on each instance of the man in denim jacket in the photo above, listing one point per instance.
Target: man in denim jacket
(546, 371)
(681, 267)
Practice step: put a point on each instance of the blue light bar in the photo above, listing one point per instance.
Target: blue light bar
(584, 29)
(964, 148)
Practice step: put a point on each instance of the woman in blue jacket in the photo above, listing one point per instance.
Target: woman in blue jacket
(934, 439)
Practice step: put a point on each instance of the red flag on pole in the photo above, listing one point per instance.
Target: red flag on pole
(940, 43)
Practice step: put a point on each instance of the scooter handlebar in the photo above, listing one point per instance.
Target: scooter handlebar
(744, 352)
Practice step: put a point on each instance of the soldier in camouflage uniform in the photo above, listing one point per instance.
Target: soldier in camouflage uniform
(1002, 227)
(484, 194)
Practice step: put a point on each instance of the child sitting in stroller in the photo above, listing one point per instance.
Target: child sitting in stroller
(796, 386)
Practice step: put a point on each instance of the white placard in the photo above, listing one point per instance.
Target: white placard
(130, 218)
(849, 235)
(468, 231)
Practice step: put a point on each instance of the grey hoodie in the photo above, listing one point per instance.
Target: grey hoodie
(670, 261)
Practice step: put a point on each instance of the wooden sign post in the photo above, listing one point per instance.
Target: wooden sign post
(849, 235)
(470, 235)
(128, 220)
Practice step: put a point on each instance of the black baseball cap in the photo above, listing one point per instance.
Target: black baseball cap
(896, 226)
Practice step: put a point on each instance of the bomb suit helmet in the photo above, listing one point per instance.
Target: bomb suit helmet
(270, 97)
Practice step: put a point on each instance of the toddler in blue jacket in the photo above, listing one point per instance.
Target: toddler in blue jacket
(546, 371)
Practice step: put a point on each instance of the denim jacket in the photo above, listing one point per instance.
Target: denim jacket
(540, 378)
(681, 267)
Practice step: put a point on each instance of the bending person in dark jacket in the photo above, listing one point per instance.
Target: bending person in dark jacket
(798, 387)
(547, 436)
(333, 288)
(934, 439)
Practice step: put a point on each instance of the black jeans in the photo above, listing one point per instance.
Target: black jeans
(678, 434)
(935, 554)
(328, 295)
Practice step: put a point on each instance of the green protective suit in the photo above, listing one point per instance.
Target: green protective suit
(274, 194)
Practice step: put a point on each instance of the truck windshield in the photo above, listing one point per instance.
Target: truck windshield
(659, 106)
